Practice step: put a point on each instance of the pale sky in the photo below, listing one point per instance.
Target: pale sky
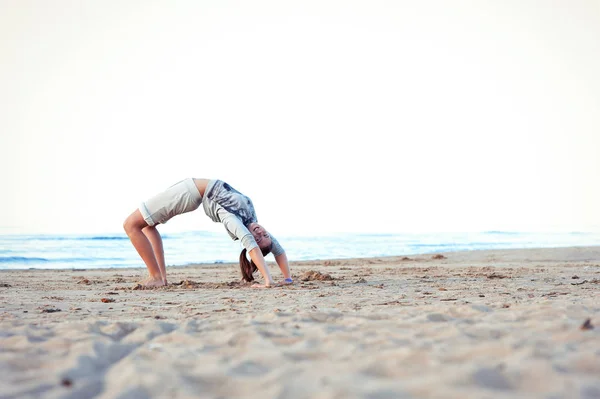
(333, 116)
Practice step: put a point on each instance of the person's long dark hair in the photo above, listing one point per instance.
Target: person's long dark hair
(247, 266)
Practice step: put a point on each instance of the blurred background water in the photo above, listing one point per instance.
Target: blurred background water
(105, 251)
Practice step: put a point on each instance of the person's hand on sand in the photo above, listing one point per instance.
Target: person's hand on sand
(261, 286)
(267, 285)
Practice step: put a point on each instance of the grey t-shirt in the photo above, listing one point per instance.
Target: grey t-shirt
(224, 204)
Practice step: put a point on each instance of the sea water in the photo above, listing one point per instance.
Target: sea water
(115, 250)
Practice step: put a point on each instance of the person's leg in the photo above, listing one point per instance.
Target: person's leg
(133, 227)
(151, 232)
(182, 197)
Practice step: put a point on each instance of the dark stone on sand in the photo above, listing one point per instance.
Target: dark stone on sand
(587, 325)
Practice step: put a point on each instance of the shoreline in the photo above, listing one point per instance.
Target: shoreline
(455, 256)
(482, 323)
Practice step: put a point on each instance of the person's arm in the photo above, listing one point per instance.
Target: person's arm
(282, 262)
(259, 260)
(237, 229)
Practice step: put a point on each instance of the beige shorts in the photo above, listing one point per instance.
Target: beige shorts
(180, 198)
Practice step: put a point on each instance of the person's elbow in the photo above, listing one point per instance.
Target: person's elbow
(249, 242)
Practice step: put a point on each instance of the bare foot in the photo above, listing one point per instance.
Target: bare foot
(153, 282)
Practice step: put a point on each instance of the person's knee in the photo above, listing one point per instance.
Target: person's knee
(133, 224)
(127, 225)
(148, 228)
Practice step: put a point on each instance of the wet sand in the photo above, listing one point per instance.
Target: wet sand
(481, 324)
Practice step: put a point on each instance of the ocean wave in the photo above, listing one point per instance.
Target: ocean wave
(61, 238)
(104, 238)
(21, 259)
(26, 259)
(105, 249)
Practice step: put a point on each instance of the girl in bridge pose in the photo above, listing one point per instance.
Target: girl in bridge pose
(223, 204)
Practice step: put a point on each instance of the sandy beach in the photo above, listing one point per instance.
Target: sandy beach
(481, 324)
